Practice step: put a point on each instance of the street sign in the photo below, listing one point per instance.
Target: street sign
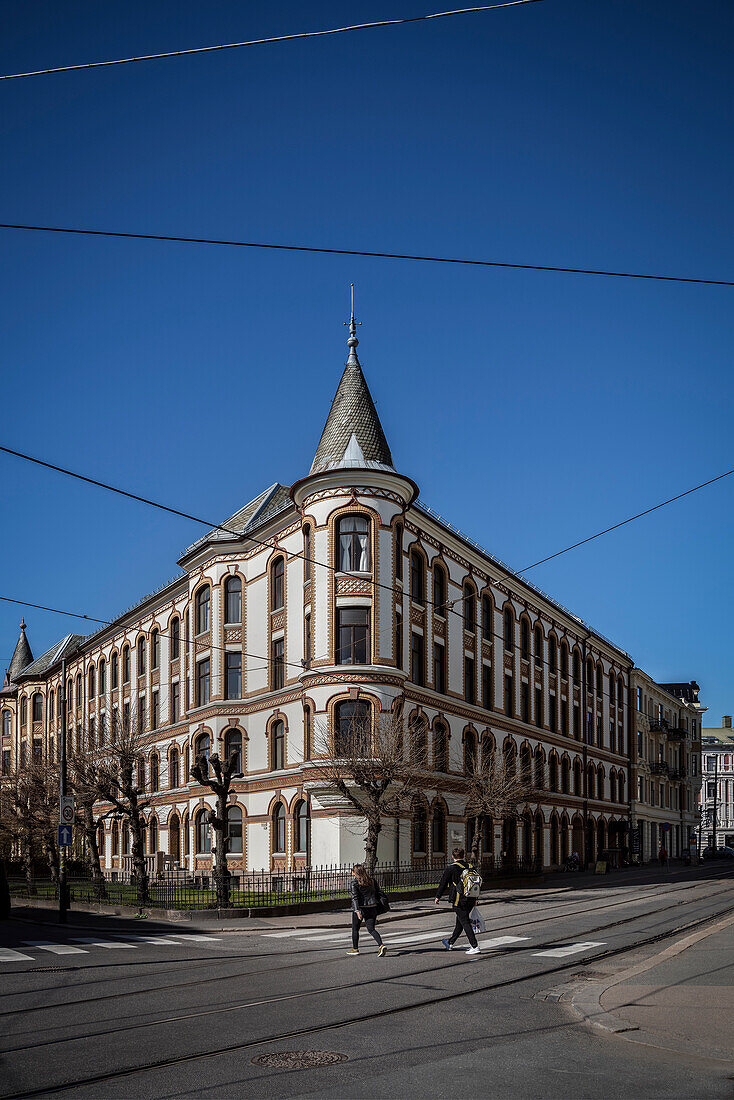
(65, 832)
(66, 810)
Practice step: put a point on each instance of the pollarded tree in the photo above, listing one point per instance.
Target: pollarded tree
(375, 763)
(494, 789)
(217, 776)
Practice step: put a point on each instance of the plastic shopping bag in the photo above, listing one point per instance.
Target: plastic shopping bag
(477, 920)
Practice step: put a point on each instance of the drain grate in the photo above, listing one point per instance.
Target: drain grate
(299, 1059)
(45, 969)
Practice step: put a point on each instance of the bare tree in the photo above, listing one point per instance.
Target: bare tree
(84, 777)
(217, 776)
(494, 789)
(375, 764)
(115, 781)
(29, 816)
(16, 822)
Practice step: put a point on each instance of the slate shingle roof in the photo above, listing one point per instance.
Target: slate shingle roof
(353, 434)
(47, 660)
(22, 656)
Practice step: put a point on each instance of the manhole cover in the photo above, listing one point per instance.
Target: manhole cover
(299, 1059)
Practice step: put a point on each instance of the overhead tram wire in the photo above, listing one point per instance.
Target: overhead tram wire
(376, 25)
(446, 607)
(421, 258)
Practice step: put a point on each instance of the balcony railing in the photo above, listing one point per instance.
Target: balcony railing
(659, 767)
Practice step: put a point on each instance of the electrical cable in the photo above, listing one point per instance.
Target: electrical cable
(276, 39)
(369, 254)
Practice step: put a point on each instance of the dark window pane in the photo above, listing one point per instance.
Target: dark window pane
(353, 636)
(416, 658)
(233, 675)
(233, 600)
(277, 664)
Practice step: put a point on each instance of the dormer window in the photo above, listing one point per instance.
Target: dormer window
(353, 542)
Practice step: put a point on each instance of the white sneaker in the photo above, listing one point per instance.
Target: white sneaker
(474, 951)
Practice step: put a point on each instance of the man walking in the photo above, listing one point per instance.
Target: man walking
(463, 884)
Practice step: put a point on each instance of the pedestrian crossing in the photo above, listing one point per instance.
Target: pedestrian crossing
(122, 941)
(404, 938)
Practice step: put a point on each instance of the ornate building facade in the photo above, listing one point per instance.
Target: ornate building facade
(343, 597)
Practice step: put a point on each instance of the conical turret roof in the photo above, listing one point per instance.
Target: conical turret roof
(353, 435)
(22, 655)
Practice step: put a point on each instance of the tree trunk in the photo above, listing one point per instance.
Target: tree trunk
(374, 826)
(27, 856)
(141, 875)
(221, 874)
(52, 856)
(90, 836)
(476, 839)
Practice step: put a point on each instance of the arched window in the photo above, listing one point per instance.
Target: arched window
(155, 768)
(398, 545)
(417, 577)
(438, 830)
(524, 639)
(277, 584)
(233, 600)
(24, 711)
(91, 682)
(79, 693)
(153, 836)
(599, 681)
(173, 768)
(126, 664)
(439, 589)
(553, 772)
(279, 828)
(554, 840)
(525, 763)
(102, 677)
(114, 673)
(565, 775)
(155, 647)
(307, 733)
(539, 769)
(538, 645)
(600, 782)
(306, 553)
(620, 787)
(100, 840)
(564, 660)
(233, 747)
(612, 688)
(487, 629)
(552, 653)
(174, 631)
(37, 706)
(174, 839)
(115, 839)
(203, 609)
(576, 667)
(420, 830)
(203, 833)
(141, 656)
(202, 751)
(353, 544)
(470, 613)
(508, 751)
(353, 727)
(125, 839)
(577, 777)
(613, 787)
(301, 826)
(470, 751)
(141, 773)
(277, 747)
(590, 773)
(508, 622)
(440, 748)
(620, 691)
(589, 675)
(234, 831)
(419, 743)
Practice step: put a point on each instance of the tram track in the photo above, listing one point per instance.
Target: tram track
(360, 1018)
(148, 1023)
(290, 967)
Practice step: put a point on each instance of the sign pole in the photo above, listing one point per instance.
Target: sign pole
(62, 794)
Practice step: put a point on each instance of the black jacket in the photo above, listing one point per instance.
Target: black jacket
(450, 881)
(365, 897)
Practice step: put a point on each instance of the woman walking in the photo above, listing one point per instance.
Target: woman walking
(365, 907)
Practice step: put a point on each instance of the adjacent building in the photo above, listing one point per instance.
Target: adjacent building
(717, 789)
(335, 600)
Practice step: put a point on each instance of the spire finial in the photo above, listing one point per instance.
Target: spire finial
(352, 341)
(22, 624)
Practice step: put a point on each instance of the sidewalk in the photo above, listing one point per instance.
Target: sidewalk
(400, 910)
(681, 999)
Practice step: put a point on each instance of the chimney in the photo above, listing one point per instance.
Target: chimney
(726, 722)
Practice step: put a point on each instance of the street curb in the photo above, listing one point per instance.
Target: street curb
(583, 998)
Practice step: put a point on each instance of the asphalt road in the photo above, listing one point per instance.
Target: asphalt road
(122, 1009)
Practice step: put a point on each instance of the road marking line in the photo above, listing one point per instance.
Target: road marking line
(8, 955)
(55, 948)
(501, 941)
(149, 939)
(282, 935)
(568, 949)
(197, 939)
(103, 943)
(412, 937)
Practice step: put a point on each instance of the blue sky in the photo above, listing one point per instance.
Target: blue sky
(532, 409)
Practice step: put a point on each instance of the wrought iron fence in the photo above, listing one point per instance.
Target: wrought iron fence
(184, 890)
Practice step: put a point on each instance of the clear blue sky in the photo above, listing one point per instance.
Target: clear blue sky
(532, 409)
